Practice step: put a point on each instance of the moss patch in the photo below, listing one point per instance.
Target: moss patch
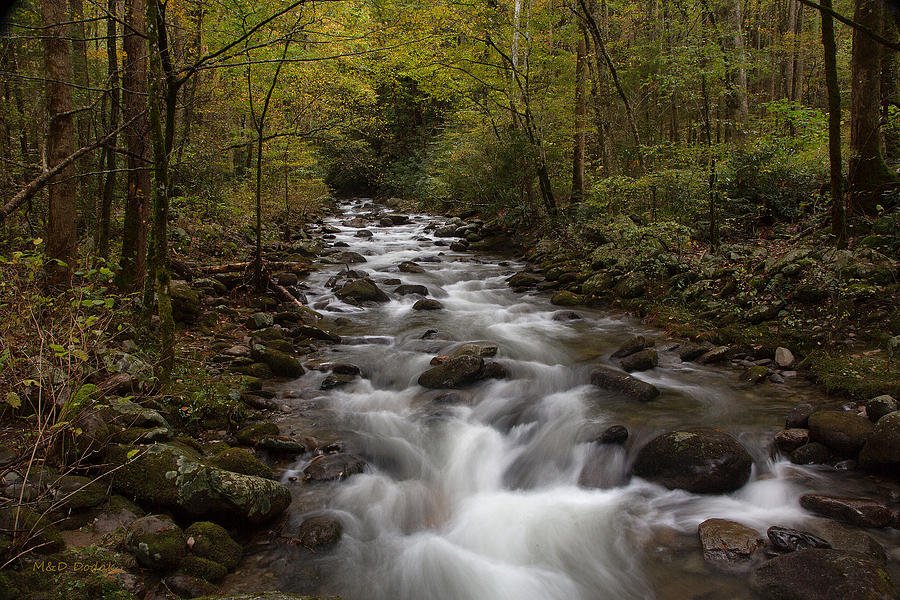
(859, 375)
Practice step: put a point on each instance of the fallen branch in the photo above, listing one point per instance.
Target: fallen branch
(294, 267)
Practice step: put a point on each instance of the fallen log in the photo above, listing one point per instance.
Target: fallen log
(294, 267)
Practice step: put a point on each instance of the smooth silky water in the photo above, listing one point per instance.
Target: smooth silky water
(503, 495)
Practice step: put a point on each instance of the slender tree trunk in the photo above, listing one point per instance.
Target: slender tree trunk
(869, 174)
(82, 120)
(159, 279)
(889, 92)
(580, 121)
(61, 231)
(134, 84)
(109, 184)
(737, 99)
(838, 219)
(713, 178)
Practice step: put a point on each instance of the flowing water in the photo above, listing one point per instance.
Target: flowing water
(503, 495)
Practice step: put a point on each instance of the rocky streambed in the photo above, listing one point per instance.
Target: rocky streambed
(432, 422)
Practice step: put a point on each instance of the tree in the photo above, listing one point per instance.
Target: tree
(838, 218)
(61, 231)
(869, 175)
(109, 153)
(134, 108)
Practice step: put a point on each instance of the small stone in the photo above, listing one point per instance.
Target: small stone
(880, 406)
(791, 540)
(617, 434)
(716, 355)
(755, 374)
(327, 467)
(634, 344)
(640, 361)
(784, 358)
(730, 546)
(408, 266)
(788, 440)
(812, 453)
(319, 532)
(616, 381)
(427, 304)
(260, 320)
(799, 417)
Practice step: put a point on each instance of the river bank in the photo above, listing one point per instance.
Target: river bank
(394, 486)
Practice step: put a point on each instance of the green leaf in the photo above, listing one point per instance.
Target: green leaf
(80, 355)
(13, 400)
(57, 348)
(131, 453)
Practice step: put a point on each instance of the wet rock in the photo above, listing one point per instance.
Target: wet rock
(408, 288)
(156, 542)
(494, 370)
(634, 344)
(882, 448)
(308, 332)
(788, 440)
(822, 574)
(690, 351)
(880, 406)
(281, 363)
(755, 374)
(730, 546)
(251, 434)
(281, 444)
(640, 361)
(334, 380)
(479, 349)
(361, 290)
(849, 538)
(427, 304)
(211, 541)
(363, 233)
(75, 492)
(459, 246)
(616, 381)
(566, 315)
(631, 286)
(843, 432)
(118, 513)
(345, 369)
(186, 586)
(456, 372)
(856, 511)
(784, 358)
(344, 258)
(716, 355)
(616, 434)
(327, 467)
(238, 460)
(703, 461)
(408, 266)
(566, 298)
(260, 320)
(523, 280)
(319, 532)
(799, 417)
(391, 281)
(791, 540)
(451, 398)
(176, 477)
(812, 453)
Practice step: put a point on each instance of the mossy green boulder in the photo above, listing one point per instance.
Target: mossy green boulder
(157, 542)
(238, 460)
(212, 542)
(36, 530)
(174, 477)
(281, 363)
(202, 568)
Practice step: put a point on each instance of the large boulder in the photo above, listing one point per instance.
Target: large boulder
(361, 290)
(703, 461)
(173, 477)
(632, 286)
(823, 574)
(730, 546)
(157, 542)
(632, 345)
(880, 406)
(882, 448)
(640, 361)
(843, 432)
(186, 305)
(327, 467)
(345, 258)
(212, 542)
(457, 372)
(616, 381)
(319, 531)
(281, 363)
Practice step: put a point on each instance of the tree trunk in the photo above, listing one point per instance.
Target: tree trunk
(134, 84)
(580, 121)
(82, 120)
(838, 220)
(60, 233)
(109, 184)
(869, 174)
(889, 92)
(737, 97)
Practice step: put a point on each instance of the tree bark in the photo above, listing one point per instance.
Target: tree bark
(580, 121)
(82, 120)
(134, 96)
(109, 184)
(838, 219)
(60, 231)
(868, 174)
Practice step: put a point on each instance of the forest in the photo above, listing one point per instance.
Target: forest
(591, 298)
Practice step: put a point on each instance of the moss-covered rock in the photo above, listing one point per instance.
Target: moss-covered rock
(843, 432)
(167, 476)
(566, 298)
(882, 448)
(202, 568)
(77, 493)
(186, 305)
(157, 542)
(238, 460)
(598, 284)
(30, 529)
(281, 363)
(632, 286)
(212, 541)
(253, 433)
(456, 372)
(361, 290)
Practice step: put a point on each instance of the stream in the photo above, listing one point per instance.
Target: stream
(503, 494)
